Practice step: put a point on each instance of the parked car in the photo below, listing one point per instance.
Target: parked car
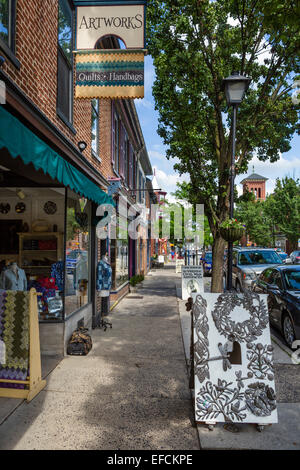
(248, 263)
(207, 262)
(295, 257)
(282, 284)
(282, 255)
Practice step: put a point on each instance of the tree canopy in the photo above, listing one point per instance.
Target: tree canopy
(195, 44)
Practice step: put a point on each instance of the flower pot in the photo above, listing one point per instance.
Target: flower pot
(232, 234)
(133, 289)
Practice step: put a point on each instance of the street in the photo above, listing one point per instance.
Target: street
(132, 391)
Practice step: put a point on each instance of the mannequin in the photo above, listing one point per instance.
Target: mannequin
(13, 278)
(104, 277)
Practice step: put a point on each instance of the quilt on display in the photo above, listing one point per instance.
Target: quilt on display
(233, 359)
(14, 336)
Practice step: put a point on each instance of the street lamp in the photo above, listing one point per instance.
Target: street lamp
(235, 88)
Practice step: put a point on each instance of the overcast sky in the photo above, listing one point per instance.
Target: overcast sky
(288, 165)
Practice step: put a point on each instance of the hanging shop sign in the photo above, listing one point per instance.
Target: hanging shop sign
(100, 19)
(233, 359)
(109, 74)
(191, 281)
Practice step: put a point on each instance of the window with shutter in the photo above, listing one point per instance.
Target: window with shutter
(113, 138)
(95, 127)
(130, 169)
(134, 172)
(7, 24)
(115, 141)
(122, 151)
(65, 61)
(126, 159)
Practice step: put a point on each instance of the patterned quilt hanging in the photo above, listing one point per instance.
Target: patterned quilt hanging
(14, 337)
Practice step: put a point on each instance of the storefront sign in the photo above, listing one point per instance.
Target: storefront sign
(127, 22)
(191, 281)
(233, 359)
(113, 74)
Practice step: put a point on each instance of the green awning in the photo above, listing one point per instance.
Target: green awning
(21, 142)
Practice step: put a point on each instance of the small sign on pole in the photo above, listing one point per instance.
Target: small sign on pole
(191, 281)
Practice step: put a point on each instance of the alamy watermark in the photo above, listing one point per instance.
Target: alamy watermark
(170, 221)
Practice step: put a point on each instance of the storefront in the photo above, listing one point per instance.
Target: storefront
(47, 226)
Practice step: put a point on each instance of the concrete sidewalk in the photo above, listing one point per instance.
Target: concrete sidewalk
(130, 392)
(282, 436)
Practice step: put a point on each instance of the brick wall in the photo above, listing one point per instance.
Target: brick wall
(36, 44)
(36, 50)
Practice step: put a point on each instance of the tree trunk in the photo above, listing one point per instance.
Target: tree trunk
(293, 244)
(218, 263)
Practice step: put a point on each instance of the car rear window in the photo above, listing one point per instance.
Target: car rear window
(259, 257)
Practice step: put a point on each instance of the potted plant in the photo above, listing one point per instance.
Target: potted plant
(133, 282)
(232, 230)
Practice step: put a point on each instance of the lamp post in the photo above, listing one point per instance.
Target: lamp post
(235, 88)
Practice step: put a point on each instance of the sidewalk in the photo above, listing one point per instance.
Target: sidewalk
(130, 392)
(282, 436)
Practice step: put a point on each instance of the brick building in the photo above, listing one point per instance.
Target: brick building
(59, 160)
(256, 184)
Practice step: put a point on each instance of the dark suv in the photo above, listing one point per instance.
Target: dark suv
(248, 263)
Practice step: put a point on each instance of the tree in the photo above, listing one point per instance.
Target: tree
(284, 207)
(194, 45)
(258, 224)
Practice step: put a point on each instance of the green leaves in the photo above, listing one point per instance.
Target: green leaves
(195, 45)
(280, 213)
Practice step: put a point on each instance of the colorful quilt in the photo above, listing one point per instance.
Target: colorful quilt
(14, 336)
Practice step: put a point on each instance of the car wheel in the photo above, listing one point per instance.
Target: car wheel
(288, 330)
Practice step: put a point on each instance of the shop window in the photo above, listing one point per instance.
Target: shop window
(119, 255)
(77, 277)
(95, 127)
(65, 61)
(7, 22)
(31, 252)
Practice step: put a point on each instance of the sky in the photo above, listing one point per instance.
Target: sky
(288, 165)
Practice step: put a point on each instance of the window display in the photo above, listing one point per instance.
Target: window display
(13, 278)
(77, 280)
(119, 262)
(31, 254)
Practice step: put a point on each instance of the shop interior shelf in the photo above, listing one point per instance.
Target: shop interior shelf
(38, 251)
(33, 267)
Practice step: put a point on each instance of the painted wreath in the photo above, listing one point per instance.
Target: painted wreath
(201, 345)
(248, 330)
